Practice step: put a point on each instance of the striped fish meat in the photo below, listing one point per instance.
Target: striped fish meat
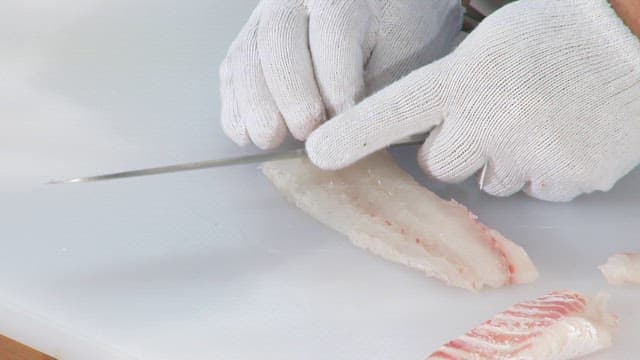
(559, 326)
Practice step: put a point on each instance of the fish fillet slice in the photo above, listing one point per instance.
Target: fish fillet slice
(383, 209)
(622, 269)
(559, 326)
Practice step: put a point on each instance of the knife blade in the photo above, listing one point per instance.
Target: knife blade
(216, 163)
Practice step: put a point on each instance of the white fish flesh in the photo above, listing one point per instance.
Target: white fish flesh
(559, 326)
(381, 208)
(622, 269)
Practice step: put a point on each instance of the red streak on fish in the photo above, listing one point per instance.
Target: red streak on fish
(499, 338)
(495, 245)
(572, 304)
(572, 296)
(529, 315)
(469, 348)
(563, 309)
(505, 258)
(443, 355)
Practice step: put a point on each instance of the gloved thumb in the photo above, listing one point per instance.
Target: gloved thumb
(408, 107)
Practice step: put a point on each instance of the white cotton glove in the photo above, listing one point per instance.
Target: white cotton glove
(298, 61)
(547, 92)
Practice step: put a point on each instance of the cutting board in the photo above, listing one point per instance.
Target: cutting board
(215, 264)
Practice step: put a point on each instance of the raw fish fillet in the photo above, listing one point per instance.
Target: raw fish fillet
(622, 269)
(381, 208)
(559, 326)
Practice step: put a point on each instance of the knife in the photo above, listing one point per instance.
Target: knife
(217, 163)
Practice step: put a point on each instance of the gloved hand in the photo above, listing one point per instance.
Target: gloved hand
(297, 61)
(547, 92)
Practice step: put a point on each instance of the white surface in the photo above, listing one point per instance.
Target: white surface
(215, 264)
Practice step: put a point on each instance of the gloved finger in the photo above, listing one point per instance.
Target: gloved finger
(286, 63)
(503, 178)
(452, 153)
(555, 191)
(562, 182)
(338, 31)
(410, 106)
(258, 110)
(232, 124)
(569, 180)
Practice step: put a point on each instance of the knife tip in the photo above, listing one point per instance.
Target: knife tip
(60, 182)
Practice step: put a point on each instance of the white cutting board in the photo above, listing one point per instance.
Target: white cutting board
(215, 264)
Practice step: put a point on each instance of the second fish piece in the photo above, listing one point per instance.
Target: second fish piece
(562, 325)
